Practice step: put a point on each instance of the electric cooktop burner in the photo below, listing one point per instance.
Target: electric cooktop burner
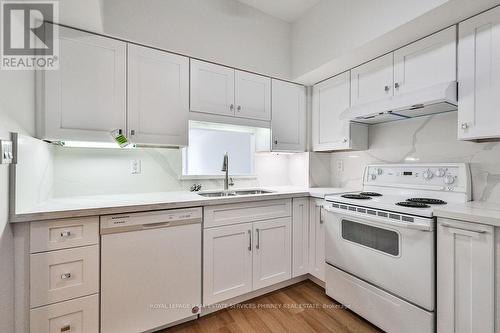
(371, 194)
(428, 201)
(356, 196)
(412, 204)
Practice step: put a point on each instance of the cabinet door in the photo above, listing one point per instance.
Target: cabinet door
(288, 123)
(158, 84)
(465, 277)
(272, 258)
(227, 263)
(252, 96)
(212, 88)
(300, 237)
(316, 241)
(427, 62)
(372, 81)
(330, 99)
(86, 98)
(479, 76)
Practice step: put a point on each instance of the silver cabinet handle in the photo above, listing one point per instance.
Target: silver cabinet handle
(464, 229)
(249, 240)
(396, 85)
(344, 140)
(464, 126)
(386, 88)
(65, 276)
(258, 239)
(320, 214)
(132, 132)
(238, 108)
(66, 233)
(66, 328)
(231, 107)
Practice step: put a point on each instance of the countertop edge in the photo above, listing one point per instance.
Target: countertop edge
(86, 212)
(468, 217)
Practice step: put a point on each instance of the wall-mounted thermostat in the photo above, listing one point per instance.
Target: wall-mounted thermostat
(7, 153)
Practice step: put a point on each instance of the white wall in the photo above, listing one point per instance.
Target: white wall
(337, 35)
(16, 114)
(422, 140)
(223, 31)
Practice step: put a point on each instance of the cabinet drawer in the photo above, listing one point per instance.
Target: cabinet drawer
(60, 275)
(63, 234)
(246, 212)
(76, 316)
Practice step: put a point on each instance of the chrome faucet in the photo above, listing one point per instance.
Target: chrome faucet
(225, 168)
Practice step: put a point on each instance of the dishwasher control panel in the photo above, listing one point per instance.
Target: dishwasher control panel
(150, 220)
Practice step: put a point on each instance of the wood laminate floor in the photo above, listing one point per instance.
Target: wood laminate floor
(301, 308)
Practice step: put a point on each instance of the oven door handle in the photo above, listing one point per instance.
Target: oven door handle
(369, 219)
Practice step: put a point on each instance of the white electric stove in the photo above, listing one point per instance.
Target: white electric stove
(380, 242)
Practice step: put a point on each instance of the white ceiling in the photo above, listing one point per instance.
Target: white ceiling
(288, 10)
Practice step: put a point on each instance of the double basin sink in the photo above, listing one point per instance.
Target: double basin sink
(221, 194)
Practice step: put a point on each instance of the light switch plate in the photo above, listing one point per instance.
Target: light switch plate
(7, 154)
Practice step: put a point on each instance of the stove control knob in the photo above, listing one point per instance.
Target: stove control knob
(440, 172)
(379, 171)
(449, 179)
(427, 174)
(373, 176)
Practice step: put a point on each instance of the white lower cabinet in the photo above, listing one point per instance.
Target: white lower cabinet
(316, 240)
(240, 257)
(272, 253)
(465, 277)
(300, 237)
(79, 315)
(227, 264)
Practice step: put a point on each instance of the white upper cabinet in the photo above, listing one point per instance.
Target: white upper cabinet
(372, 81)
(86, 98)
(252, 94)
(329, 132)
(212, 88)
(221, 90)
(158, 86)
(429, 61)
(479, 76)
(288, 123)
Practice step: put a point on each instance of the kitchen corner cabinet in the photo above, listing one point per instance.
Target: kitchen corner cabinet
(479, 76)
(316, 240)
(86, 98)
(158, 94)
(300, 239)
(329, 132)
(288, 124)
(465, 277)
(221, 90)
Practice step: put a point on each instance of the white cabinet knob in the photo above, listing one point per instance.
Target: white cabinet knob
(464, 126)
(65, 276)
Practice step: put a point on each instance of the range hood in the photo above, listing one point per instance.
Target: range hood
(431, 100)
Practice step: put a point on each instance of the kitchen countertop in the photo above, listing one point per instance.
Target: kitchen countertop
(473, 211)
(80, 206)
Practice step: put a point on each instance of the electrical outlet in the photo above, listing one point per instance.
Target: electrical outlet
(135, 167)
(7, 155)
(340, 166)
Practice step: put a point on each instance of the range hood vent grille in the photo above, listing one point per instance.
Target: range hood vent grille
(433, 100)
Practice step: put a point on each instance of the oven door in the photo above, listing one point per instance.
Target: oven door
(397, 257)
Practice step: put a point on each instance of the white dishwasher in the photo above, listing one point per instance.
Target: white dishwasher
(150, 269)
